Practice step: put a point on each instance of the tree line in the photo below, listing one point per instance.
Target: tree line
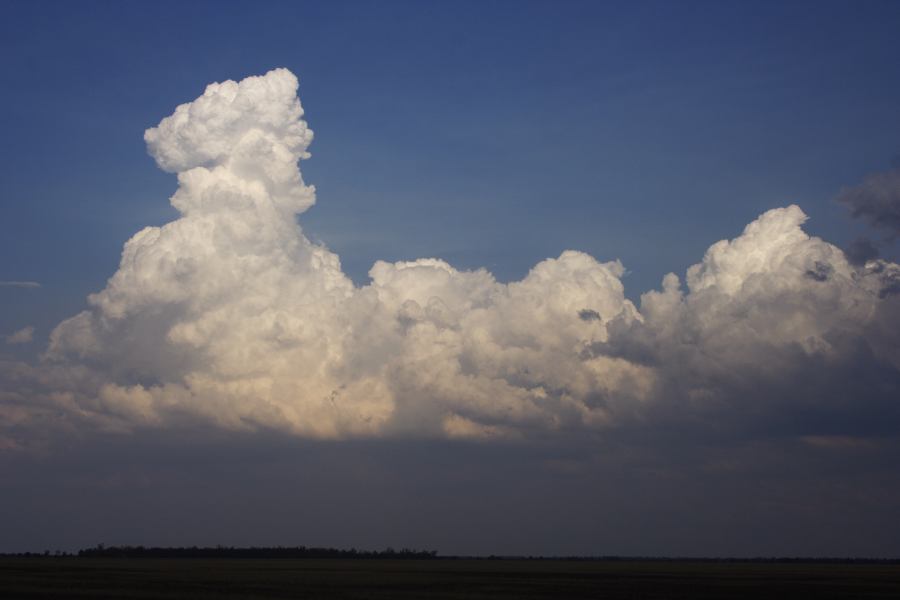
(101, 551)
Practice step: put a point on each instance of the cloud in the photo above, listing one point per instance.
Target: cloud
(22, 336)
(877, 200)
(230, 316)
(860, 251)
(20, 284)
(777, 331)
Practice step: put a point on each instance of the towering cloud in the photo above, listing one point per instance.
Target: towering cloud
(231, 316)
(775, 328)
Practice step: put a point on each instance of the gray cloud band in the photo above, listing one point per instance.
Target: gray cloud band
(877, 200)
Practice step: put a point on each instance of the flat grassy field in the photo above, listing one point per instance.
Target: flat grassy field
(442, 578)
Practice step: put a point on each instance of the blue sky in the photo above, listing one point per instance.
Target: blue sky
(490, 134)
(230, 386)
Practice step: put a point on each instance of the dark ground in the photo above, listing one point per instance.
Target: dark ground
(324, 578)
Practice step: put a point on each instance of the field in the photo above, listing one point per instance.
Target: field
(441, 578)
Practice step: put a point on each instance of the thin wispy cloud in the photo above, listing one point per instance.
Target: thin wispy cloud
(22, 336)
(20, 284)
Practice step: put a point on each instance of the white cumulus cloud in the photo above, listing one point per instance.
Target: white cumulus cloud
(231, 316)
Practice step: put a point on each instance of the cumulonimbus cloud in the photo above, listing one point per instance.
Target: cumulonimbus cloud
(229, 315)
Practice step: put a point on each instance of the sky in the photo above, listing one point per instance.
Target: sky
(578, 278)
